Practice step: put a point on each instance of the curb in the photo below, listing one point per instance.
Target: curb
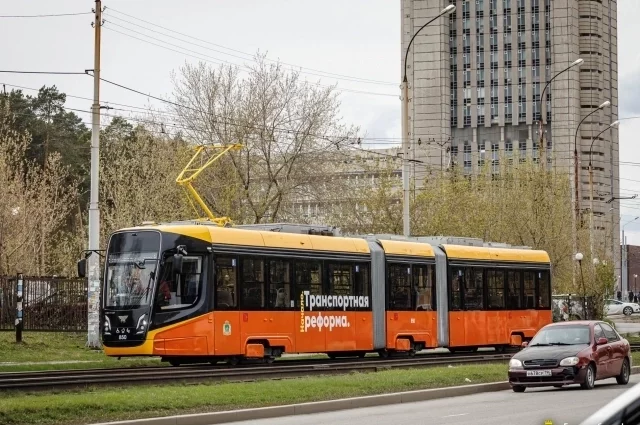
(324, 406)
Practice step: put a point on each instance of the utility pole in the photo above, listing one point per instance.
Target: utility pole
(405, 156)
(93, 262)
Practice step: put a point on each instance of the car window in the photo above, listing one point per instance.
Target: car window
(609, 333)
(598, 332)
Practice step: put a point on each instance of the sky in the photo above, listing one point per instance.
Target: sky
(331, 42)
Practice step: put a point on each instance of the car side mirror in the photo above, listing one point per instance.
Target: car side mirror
(177, 264)
(525, 344)
(82, 268)
(602, 341)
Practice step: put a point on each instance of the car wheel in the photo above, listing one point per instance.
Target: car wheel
(627, 311)
(590, 378)
(518, 388)
(623, 378)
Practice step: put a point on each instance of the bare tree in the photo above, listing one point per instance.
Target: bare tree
(290, 131)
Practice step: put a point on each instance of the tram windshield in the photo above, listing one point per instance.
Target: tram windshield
(132, 260)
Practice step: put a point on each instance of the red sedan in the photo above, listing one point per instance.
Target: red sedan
(575, 352)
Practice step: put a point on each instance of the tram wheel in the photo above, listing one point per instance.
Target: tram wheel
(174, 363)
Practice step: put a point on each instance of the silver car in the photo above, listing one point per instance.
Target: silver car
(622, 410)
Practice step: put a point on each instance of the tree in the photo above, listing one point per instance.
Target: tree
(138, 171)
(289, 129)
(34, 203)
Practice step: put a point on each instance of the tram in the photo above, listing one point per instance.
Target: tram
(196, 292)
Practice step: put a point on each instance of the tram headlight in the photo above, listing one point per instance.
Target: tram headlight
(515, 364)
(142, 324)
(569, 361)
(107, 325)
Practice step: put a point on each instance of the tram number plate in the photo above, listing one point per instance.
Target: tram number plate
(538, 373)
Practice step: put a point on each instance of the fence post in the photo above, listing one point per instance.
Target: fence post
(19, 298)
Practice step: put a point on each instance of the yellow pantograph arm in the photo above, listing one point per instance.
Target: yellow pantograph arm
(189, 173)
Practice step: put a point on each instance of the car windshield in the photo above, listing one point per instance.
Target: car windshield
(562, 335)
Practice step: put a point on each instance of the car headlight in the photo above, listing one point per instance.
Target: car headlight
(569, 361)
(515, 363)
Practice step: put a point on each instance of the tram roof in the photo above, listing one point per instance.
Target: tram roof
(495, 254)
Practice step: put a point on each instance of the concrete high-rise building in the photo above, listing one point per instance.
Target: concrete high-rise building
(475, 81)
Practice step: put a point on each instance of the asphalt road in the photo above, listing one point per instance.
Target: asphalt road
(569, 405)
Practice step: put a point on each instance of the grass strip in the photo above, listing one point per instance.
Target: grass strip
(100, 405)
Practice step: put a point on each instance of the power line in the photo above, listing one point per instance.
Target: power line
(342, 76)
(46, 16)
(45, 72)
(220, 61)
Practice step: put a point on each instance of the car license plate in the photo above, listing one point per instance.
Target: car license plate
(538, 373)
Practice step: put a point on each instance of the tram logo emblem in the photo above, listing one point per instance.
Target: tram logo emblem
(226, 328)
(122, 318)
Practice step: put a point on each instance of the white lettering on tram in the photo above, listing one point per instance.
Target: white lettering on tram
(332, 301)
(327, 322)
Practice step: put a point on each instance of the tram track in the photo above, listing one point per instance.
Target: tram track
(78, 378)
(199, 373)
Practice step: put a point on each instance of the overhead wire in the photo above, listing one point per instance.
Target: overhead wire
(250, 56)
(55, 15)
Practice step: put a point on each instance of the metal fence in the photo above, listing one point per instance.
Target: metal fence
(50, 304)
(573, 307)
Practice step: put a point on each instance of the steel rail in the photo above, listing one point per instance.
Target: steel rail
(146, 375)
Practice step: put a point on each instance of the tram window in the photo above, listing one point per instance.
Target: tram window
(362, 280)
(473, 289)
(340, 282)
(529, 290)
(308, 277)
(182, 290)
(399, 286)
(280, 284)
(226, 282)
(495, 289)
(543, 289)
(252, 283)
(422, 280)
(457, 280)
(514, 300)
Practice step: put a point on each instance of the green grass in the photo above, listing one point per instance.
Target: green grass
(99, 405)
(40, 347)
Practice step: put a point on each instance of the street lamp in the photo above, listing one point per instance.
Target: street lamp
(579, 258)
(625, 277)
(635, 276)
(405, 126)
(610, 126)
(541, 146)
(575, 153)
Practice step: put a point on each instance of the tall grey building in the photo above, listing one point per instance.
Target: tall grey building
(475, 81)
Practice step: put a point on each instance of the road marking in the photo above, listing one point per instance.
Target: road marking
(458, 414)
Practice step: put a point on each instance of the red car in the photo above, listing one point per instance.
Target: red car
(574, 352)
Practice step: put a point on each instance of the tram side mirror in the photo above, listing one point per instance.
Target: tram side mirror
(177, 264)
(82, 268)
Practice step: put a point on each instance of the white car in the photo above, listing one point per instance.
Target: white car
(613, 307)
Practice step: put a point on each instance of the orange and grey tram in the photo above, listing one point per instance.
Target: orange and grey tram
(193, 292)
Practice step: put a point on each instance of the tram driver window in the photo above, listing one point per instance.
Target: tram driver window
(182, 290)
(226, 282)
